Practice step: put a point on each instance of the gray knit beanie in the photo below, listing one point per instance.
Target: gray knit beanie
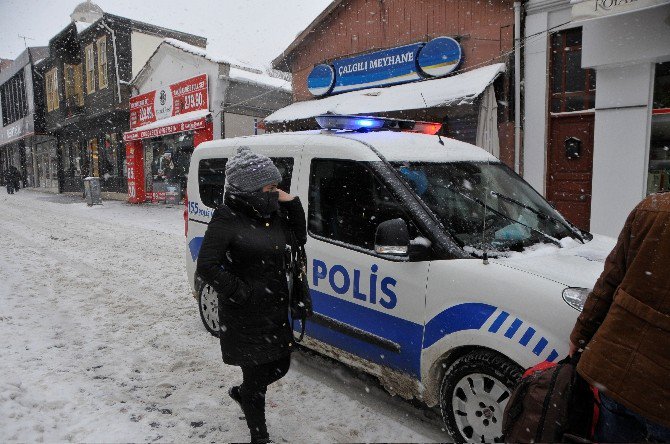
(248, 171)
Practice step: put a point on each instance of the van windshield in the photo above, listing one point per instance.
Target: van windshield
(486, 206)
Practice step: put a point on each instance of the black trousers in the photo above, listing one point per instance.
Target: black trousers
(256, 379)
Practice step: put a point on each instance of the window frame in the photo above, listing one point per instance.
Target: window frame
(562, 95)
(389, 189)
(103, 78)
(53, 95)
(90, 68)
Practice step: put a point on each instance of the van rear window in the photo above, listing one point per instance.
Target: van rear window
(212, 178)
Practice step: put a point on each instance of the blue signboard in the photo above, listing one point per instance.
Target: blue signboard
(440, 56)
(403, 64)
(396, 65)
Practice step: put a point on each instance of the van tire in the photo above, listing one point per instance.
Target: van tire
(497, 375)
(208, 305)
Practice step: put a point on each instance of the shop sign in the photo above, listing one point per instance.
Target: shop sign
(403, 64)
(588, 9)
(165, 130)
(179, 98)
(17, 130)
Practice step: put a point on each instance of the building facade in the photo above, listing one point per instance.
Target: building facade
(361, 39)
(595, 106)
(185, 95)
(87, 90)
(23, 142)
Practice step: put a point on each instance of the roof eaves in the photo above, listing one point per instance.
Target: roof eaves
(280, 61)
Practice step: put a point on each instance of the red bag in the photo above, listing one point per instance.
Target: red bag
(551, 403)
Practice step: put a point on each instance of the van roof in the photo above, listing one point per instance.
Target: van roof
(395, 146)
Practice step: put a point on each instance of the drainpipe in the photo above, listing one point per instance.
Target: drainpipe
(116, 59)
(517, 87)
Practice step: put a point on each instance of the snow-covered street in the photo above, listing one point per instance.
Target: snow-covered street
(102, 341)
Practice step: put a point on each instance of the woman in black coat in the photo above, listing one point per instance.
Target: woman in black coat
(242, 258)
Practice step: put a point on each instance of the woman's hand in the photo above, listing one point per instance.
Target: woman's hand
(284, 196)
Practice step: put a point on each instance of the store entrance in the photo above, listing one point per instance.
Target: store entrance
(570, 167)
(166, 162)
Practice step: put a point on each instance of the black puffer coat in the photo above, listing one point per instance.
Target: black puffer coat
(242, 258)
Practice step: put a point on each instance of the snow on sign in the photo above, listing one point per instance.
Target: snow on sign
(181, 97)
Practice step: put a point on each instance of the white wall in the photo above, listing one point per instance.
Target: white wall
(627, 38)
(542, 15)
(237, 125)
(621, 145)
(171, 65)
(623, 50)
(142, 46)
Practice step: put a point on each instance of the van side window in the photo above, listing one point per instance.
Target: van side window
(347, 202)
(212, 178)
(211, 181)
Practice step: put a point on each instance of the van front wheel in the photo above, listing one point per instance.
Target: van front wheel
(209, 309)
(473, 395)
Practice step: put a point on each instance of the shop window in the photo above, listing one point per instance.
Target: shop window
(102, 62)
(94, 157)
(111, 156)
(90, 69)
(212, 178)
(658, 178)
(347, 202)
(572, 88)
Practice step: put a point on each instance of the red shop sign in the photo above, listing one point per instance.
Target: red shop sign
(179, 98)
(164, 130)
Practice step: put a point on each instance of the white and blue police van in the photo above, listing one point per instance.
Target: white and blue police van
(431, 264)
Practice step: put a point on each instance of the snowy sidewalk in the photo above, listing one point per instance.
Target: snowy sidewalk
(102, 341)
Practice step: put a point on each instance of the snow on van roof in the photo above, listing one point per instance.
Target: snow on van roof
(393, 145)
(412, 147)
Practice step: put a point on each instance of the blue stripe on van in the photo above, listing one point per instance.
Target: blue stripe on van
(525, 339)
(513, 328)
(406, 334)
(498, 322)
(469, 316)
(194, 247)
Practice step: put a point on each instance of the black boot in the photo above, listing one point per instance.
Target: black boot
(234, 393)
(253, 406)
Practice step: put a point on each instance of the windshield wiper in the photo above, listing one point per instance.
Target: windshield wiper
(474, 199)
(539, 214)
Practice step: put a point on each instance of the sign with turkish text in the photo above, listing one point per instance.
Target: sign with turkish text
(179, 98)
(589, 9)
(408, 63)
(164, 130)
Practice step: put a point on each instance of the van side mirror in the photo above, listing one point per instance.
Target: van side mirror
(392, 237)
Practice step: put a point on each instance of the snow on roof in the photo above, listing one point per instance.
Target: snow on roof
(247, 76)
(238, 70)
(216, 58)
(82, 26)
(455, 90)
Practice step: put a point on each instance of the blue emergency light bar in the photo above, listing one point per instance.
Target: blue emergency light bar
(373, 123)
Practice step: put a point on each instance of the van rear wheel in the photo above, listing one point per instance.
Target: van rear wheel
(473, 395)
(208, 302)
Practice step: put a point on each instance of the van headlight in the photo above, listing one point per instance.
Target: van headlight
(576, 297)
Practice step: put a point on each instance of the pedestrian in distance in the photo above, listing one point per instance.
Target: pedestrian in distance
(9, 182)
(243, 258)
(15, 177)
(624, 330)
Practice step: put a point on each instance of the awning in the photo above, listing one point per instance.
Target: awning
(591, 9)
(176, 124)
(455, 90)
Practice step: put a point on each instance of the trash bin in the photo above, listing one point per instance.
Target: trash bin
(92, 191)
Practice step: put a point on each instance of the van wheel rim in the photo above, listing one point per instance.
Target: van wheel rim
(209, 305)
(478, 402)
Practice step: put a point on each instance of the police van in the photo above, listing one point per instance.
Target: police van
(432, 265)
